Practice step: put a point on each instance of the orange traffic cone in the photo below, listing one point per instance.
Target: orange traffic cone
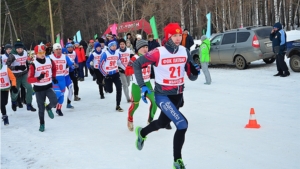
(252, 120)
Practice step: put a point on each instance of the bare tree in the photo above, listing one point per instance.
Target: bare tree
(241, 13)
(182, 14)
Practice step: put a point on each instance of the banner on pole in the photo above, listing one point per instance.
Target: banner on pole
(208, 30)
(153, 27)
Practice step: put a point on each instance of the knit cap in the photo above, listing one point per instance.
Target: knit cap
(19, 44)
(7, 46)
(39, 49)
(112, 43)
(141, 43)
(97, 44)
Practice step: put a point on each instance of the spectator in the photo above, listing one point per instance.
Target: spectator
(278, 38)
(152, 43)
(205, 58)
(81, 60)
(187, 40)
(129, 37)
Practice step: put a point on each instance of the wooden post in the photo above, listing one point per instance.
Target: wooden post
(51, 22)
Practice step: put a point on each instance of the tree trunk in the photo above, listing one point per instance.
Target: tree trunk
(295, 16)
(223, 15)
(241, 13)
(217, 21)
(276, 11)
(290, 22)
(191, 17)
(132, 8)
(61, 20)
(229, 15)
(266, 12)
(182, 14)
(256, 12)
(107, 18)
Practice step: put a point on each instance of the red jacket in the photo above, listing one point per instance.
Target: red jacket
(80, 54)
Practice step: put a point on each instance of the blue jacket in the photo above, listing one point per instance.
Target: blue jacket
(278, 39)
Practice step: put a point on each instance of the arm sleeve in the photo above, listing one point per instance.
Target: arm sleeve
(53, 69)
(272, 35)
(102, 64)
(120, 64)
(90, 58)
(69, 62)
(31, 78)
(12, 77)
(151, 57)
(190, 69)
(11, 58)
(282, 37)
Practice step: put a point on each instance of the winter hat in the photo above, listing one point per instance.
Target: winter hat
(91, 41)
(138, 36)
(203, 37)
(39, 49)
(278, 25)
(76, 43)
(141, 43)
(7, 46)
(97, 44)
(112, 43)
(171, 29)
(122, 40)
(69, 45)
(56, 46)
(64, 51)
(19, 44)
(101, 40)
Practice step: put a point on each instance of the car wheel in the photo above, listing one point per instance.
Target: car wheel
(240, 63)
(269, 60)
(295, 63)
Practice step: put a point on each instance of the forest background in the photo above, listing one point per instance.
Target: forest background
(31, 18)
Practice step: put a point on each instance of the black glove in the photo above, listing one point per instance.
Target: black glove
(91, 71)
(14, 89)
(22, 67)
(121, 70)
(54, 80)
(42, 75)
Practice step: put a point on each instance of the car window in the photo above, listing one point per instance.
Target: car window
(263, 33)
(216, 40)
(228, 38)
(242, 36)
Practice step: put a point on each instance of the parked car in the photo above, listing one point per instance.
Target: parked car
(293, 49)
(240, 47)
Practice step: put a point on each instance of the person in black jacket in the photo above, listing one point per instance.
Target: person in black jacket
(187, 40)
(152, 43)
(278, 38)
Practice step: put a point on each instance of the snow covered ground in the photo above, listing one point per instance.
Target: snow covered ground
(95, 136)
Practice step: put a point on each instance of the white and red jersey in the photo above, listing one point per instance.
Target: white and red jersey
(170, 68)
(146, 72)
(4, 59)
(72, 56)
(45, 68)
(111, 61)
(5, 82)
(61, 64)
(125, 56)
(20, 60)
(96, 60)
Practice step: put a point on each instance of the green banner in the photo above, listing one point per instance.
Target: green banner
(95, 36)
(153, 27)
(57, 38)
